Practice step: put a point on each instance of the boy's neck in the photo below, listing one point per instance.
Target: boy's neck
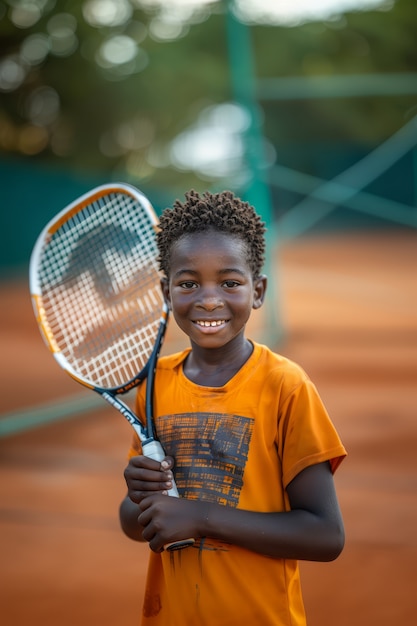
(214, 368)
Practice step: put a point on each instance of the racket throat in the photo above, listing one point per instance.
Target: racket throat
(126, 412)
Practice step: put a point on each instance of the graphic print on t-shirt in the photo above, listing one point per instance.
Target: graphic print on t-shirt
(210, 451)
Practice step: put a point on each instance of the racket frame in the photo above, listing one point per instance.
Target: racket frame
(108, 394)
(151, 447)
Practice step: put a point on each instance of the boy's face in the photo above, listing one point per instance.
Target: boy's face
(211, 290)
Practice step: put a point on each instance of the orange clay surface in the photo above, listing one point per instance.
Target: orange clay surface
(349, 312)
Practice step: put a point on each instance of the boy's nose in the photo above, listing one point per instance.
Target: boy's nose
(210, 301)
(212, 304)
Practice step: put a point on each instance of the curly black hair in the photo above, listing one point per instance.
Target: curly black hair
(222, 212)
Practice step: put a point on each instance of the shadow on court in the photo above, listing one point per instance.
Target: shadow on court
(349, 310)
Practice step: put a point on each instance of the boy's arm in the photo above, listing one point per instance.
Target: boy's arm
(128, 513)
(312, 530)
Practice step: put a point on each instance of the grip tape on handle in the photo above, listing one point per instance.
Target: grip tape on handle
(155, 451)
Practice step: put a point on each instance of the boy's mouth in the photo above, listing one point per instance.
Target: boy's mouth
(208, 324)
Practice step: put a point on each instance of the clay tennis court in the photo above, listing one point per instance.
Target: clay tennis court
(349, 310)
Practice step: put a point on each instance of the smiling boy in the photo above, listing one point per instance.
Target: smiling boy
(246, 434)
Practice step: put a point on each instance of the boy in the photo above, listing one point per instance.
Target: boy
(246, 435)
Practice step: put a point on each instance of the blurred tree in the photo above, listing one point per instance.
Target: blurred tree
(109, 85)
(97, 91)
(358, 44)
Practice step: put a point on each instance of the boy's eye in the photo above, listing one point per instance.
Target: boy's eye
(229, 284)
(188, 284)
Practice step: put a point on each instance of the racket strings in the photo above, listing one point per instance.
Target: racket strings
(99, 284)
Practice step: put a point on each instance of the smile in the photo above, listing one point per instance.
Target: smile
(212, 324)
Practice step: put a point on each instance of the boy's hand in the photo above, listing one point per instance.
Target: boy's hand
(145, 477)
(167, 520)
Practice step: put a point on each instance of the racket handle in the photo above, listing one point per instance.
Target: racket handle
(154, 450)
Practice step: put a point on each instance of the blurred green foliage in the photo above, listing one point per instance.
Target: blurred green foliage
(110, 95)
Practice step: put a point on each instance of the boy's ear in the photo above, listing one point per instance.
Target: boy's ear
(259, 291)
(165, 290)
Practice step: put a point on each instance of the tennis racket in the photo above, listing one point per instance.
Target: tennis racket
(95, 288)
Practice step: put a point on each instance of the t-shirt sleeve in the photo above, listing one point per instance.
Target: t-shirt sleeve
(306, 433)
(173, 361)
(136, 446)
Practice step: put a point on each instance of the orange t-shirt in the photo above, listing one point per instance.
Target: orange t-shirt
(239, 445)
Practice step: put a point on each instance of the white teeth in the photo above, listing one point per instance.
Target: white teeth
(218, 323)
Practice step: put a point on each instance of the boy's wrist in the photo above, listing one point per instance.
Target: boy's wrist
(205, 520)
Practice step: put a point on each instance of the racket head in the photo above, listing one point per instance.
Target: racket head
(95, 287)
